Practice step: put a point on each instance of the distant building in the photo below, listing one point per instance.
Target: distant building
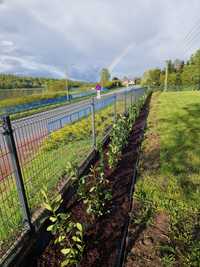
(128, 82)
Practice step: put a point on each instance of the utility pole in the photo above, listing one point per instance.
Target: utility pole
(166, 75)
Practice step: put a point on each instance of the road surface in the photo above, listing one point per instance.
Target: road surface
(30, 132)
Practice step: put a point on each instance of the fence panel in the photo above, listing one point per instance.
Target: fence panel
(129, 95)
(104, 115)
(45, 146)
(120, 103)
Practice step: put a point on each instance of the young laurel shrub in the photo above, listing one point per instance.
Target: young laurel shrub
(101, 157)
(71, 170)
(132, 115)
(94, 192)
(140, 102)
(119, 139)
(68, 234)
(120, 132)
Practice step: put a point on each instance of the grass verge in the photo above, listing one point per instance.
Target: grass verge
(168, 187)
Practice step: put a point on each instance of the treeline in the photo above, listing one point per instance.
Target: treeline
(113, 84)
(8, 81)
(180, 73)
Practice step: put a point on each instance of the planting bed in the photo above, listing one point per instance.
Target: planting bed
(104, 236)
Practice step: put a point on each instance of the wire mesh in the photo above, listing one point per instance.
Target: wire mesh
(45, 145)
(120, 103)
(104, 115)
(11, 221)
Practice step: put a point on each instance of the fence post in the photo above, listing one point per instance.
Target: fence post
(135, 98)
(60, 123)
(115, 108)
(10, 142)
(132, 97)
(93, 123)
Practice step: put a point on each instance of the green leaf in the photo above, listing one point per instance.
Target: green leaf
(61, 238)
(65, 251)
(79, 233)
(50, 228)
(92, 189)
(44, 194)
(79, 247)
(58, 198)
(47, 206)
(76, 239)
(56, 207)
(65, 263)
(52, 219)
(79, 227)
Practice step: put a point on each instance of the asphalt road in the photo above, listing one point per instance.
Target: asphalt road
(35, 127)
(63, 109)
(30, 132)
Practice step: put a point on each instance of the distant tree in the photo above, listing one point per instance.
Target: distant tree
(115, 79)
(151, 77)
(171, 68)
(137, 80)
(178, 64)
(104, 76)
(113, 84)
(178, 80)
(190, 75)
(172, 79)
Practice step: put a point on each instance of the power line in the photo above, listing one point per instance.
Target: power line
(191, 44)
(194, 38)
(190, 48)
(190, 51)
(191, 37)
(192, 30)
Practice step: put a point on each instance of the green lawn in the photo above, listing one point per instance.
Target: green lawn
(179, 128)
(170, 173)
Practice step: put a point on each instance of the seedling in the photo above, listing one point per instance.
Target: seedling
(94, 193)
(68, 234)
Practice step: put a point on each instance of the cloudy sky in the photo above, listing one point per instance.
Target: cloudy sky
(50, 37)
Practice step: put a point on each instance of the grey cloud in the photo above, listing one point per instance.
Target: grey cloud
(84, 36)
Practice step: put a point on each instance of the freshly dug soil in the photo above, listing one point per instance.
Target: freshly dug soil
(104, 236)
